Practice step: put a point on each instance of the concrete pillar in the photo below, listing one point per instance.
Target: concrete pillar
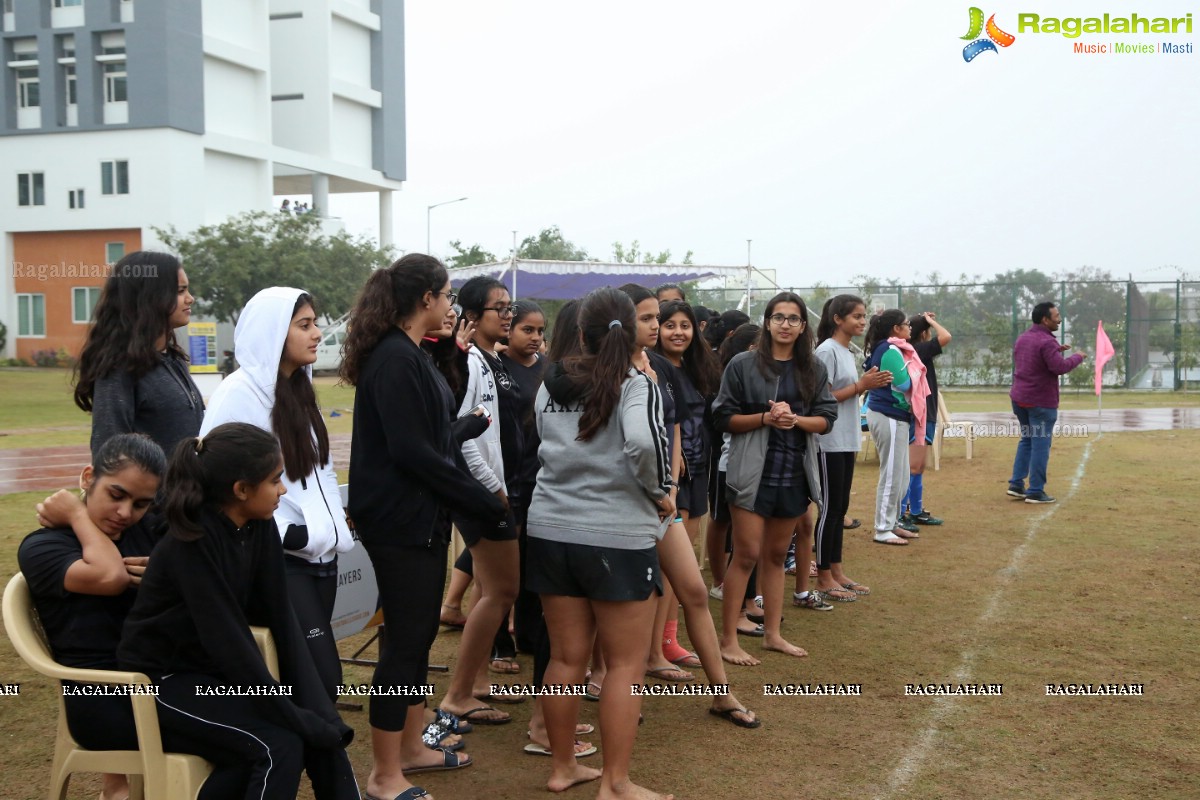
(320, 194)
(386, 234)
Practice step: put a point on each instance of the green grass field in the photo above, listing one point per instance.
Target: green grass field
(1099, 588)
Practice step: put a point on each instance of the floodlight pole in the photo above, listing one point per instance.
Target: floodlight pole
(429, 209)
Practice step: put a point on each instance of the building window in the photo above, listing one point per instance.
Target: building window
(115, 82)
(29, 94)
(114, 177)
(75, 198)
(83, 300)
(114, 252)
(31, 189)
(67, 3)
(31, 315)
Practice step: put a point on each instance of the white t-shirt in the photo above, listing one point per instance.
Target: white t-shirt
(846, 436)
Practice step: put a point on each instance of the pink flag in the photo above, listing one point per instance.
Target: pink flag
(1104, 351)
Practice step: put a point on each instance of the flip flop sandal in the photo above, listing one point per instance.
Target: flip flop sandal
(513, 666)
(759, 631)
(535, 749)
(891, 539)
(411, 793)
(854, 523)
(475, 720)
(903, 534)
(506, 699)
(661, 674)
(728, 714)
(450, 760)
(451, 722)
(843, 595)
(690, 661)
(588, 694)
(857, 588)
(435, 734)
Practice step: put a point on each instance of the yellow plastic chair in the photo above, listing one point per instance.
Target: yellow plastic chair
(153, 774)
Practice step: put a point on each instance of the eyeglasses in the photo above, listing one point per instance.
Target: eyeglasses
(450, 296)
(503, 311)
(793, 321)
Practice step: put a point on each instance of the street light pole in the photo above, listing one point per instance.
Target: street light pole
(429, 209)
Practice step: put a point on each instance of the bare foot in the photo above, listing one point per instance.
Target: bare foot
(781, 645)
(629, 790)
(734, 654)
(560, 782)
(452, 616)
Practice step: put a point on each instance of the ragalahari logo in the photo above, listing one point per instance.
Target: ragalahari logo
(995, 36)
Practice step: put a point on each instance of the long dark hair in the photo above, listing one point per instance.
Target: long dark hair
(473, 295)
(737, 342)
(203, 471)
(802, 348)
(841, 305)
(133, 311)
(389, 295)
(609, 325)
(722, 326)
(920, 326)
(129, 450)
(880, 328)
(565, 341)
(699, 363)
(296, 417)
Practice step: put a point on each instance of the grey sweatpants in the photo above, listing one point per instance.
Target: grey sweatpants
(891, 443)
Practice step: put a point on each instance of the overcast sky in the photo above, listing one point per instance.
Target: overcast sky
(841, 138)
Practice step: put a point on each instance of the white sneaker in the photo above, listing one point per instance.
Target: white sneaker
(717, 593)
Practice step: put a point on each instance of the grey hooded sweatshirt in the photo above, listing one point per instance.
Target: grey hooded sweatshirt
(603, 492)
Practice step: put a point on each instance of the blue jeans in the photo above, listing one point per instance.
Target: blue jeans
(1033, 451)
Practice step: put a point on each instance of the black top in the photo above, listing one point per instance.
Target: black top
(785, 449)
(405, 466)
(690, 406)
(530, 380)
(668, 387)
(83, 629)
(927, 351)
(194, 610)
(164, 404)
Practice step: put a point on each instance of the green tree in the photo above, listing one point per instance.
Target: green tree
(466, 257)
(549, 245)
(634, 255)
(229, 262)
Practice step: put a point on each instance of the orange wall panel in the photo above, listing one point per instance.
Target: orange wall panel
(53, 263)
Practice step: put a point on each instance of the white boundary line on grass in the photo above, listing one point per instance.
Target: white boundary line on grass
(914, 760)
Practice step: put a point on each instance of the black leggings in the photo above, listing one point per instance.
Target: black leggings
(837, 475)
(410, 581)
(100, 722)
(312, 597)
(252, 756)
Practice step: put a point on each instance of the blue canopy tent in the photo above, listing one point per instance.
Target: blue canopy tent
(567, 280)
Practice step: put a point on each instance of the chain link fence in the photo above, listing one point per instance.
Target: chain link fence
(1154, 326)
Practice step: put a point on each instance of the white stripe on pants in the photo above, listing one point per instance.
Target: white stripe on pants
(891, 442)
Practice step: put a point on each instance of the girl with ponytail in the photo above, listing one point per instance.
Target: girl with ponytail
(602, 496)
(406, 471)
(219, 571)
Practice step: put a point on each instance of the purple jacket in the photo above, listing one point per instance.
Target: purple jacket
(1037, 363)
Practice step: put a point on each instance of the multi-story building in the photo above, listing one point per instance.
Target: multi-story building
(121, 116)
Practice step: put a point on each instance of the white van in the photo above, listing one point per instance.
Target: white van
(329, 351)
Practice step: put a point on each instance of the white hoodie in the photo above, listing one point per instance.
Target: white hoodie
(248, 395)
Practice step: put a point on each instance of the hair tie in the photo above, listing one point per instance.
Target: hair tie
(616, 323)
(198, 445)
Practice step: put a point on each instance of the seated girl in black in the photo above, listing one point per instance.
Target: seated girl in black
(219, 571)
(82, 569)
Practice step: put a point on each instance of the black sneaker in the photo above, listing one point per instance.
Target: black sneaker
(905, 523)
(1038, 498)
(925, 518)
(1016, 490)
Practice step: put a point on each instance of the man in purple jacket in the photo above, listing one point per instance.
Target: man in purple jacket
(1037, 363)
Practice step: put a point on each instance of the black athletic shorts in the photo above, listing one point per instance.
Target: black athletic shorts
(693, 494)
(472, 530)
(781, 502)
(597, 573)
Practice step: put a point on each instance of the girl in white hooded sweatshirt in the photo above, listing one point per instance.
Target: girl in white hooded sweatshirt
(276, 341)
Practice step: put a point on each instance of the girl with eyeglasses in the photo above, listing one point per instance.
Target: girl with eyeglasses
(494, 459)
(406, 472)
(773, 400)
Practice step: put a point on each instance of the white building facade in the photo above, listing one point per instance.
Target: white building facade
(120, 116)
